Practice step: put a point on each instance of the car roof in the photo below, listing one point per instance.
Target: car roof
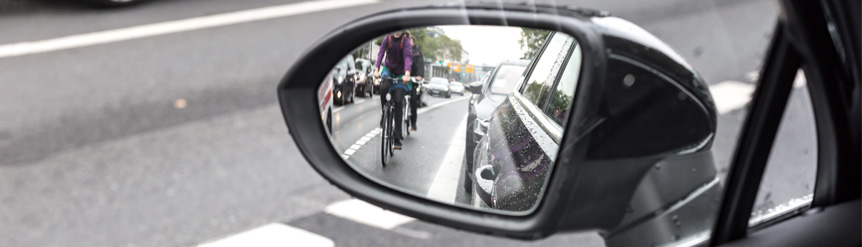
(515, 62)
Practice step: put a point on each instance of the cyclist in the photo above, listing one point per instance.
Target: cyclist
(418, 70)
(398, 50)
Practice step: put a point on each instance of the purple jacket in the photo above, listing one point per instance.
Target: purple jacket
(394, 54)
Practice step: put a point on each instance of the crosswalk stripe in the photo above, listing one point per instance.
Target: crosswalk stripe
(365, 213)
(274, 234)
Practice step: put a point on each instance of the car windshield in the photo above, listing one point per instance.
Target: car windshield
(439, 81)
(506, 78)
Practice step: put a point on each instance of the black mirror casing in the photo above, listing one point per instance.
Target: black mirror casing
(574, 177)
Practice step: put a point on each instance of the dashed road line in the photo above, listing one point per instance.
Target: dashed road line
(176, 26)
(274, 234)
(374, 132)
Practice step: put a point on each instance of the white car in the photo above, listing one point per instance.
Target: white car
(456, 87)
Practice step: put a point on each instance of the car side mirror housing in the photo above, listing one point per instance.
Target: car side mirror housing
(634, 154)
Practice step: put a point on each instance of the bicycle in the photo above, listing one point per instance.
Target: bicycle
(387, 135)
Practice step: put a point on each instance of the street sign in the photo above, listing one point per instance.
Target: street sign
(468, 68)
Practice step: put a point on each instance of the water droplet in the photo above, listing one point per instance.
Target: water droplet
(681, 96)
(658, 166)
(629, 80)
(693, 169)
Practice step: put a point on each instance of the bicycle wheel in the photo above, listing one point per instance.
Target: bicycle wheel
(391, 130)
(406, 116)
(384, 139)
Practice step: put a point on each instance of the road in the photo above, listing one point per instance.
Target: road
(177, 139)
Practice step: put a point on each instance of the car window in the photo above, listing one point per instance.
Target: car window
(439, 81)
(546, 69)
(506, 78)
(790, 175)
(564, 93)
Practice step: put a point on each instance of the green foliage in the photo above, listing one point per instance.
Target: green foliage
(532, 40)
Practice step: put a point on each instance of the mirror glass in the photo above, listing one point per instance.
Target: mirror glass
(464, 115)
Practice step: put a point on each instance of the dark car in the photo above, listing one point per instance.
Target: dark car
(439, 86)
(344, 81)
(488, 94)
(513, 160)
(364, 77)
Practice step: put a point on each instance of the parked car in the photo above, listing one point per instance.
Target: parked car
(364, 77)
(488, 93)
(324, 95)
(456, 87)
(344, 81)
(512, 161)
(439, 86)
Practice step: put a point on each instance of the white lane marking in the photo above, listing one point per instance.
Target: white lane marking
(752, 76)
(445, 184)
(359, 143)
(365, 213)
(337, 109)
(426, 109)
(371, 134)
(168, 27)
(274, 234)
(731, 95)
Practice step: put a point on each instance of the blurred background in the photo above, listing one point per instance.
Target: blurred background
(175, 138)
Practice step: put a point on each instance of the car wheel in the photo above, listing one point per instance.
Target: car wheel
(329, 121)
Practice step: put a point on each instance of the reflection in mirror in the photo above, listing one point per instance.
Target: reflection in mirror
(445, 112)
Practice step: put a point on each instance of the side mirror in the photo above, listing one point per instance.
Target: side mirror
(610, 130)
(476, 87)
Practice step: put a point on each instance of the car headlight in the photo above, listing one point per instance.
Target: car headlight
(340, 79)
(480, 126)
(338, 94)
(376, 82)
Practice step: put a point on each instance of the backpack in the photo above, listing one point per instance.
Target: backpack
(388, 41)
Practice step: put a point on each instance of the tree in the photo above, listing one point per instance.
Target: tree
(437, 48)
(532, 40)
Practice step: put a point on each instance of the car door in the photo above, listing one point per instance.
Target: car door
(522, 140)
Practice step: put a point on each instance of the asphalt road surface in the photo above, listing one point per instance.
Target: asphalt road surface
(176, 138)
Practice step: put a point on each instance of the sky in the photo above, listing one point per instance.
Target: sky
(487, 44)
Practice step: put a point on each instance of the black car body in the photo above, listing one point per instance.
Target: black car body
(493, 91)
(513, 160)
(439, 86)
(364, 77)
(344, 81)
